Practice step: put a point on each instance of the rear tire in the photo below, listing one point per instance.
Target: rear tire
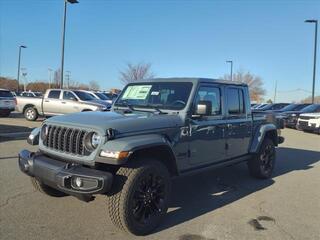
(31, 114)
(45, 189)
(261, 165)
(139, 198)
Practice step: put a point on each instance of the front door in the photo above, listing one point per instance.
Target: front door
(207, 141)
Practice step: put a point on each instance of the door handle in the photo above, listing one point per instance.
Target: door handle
(46, 100)
(63, 102)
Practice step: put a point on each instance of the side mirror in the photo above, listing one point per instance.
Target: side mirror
(203, 108)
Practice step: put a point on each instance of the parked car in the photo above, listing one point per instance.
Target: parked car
(261, 105)
(58, 102)
(273, 106)
(31, 94)
(291, 117)
(101, 96)
(309, 122)
(156, 130)
(7, 103)
(110, 95)
(292, 107)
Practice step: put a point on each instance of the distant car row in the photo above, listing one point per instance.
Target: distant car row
(54, 102)
(304, 116)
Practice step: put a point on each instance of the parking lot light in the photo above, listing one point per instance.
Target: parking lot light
(314, 54)
(231, 66)
(63, 37)
(19, 60)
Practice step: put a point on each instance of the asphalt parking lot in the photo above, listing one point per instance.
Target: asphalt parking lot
(219, 204)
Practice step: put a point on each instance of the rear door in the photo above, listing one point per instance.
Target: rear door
(52, 103)
(239, 121)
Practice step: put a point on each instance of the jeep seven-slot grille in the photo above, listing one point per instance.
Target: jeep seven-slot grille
(66, 140)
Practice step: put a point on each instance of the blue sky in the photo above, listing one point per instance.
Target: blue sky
(179, 38)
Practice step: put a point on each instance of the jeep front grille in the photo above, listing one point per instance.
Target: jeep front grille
(68, 140)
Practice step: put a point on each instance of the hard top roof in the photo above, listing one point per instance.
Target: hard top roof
(194, 80)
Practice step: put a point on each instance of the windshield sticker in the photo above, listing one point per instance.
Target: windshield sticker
(154, 93)
(137, 92)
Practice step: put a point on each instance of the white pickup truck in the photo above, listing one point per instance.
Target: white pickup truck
(309, 122)
(59, 102)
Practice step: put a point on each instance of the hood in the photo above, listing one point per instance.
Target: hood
(100, 102)
(121, 123)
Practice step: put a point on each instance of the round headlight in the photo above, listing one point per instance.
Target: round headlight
(44, 132)
(95, 140)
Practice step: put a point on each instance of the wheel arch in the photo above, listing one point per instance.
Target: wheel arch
(153, 146)
(160, 152)
(27, 106)
(265, 131)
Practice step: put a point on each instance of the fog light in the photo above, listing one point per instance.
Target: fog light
(78, 182)
(84, 183)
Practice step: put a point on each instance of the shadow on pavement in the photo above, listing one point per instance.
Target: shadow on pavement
(13, 132)
(199, 194)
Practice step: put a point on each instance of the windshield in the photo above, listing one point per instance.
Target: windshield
(289, 107)
(84, 96)
(301, 106)
(102, 96)
(164, 95)
(311, 108)
(5, 94)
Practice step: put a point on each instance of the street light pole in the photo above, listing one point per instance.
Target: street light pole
(49, 76)
(19, 61)
(314, 55)
(231, 65)
(63, 38)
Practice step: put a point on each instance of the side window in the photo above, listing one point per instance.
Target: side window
(211, 94)
(68, 95)
(54, 94)
(235, 101)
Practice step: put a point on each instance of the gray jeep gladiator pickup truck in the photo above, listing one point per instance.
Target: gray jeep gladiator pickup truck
(156, 130)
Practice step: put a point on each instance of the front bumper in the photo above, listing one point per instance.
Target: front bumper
(61, 175)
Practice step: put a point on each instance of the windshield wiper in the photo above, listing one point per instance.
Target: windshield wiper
(156, 107)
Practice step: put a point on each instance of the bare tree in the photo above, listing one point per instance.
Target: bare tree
(309, 99)
(135, 72)
(254, 82)
(94, 85)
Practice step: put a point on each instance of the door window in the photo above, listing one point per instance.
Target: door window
(54, 94)
(235, 101)
(211, 94)
(68, 95)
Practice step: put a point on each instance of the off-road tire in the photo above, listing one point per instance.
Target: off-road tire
(31, 114)
(260, 165)
(45, 189)
(121, 200)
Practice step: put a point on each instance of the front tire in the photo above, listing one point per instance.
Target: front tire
(140, 197)
(261, 165)
(31, 114)
(45, 189)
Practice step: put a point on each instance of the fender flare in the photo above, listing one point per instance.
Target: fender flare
(133, 144)
(260, 135)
